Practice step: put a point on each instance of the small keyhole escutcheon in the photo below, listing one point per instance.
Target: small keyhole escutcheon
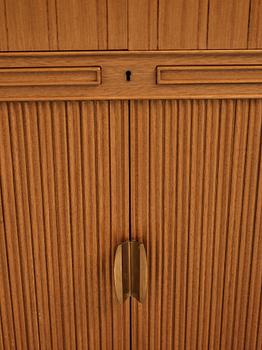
(128, 75)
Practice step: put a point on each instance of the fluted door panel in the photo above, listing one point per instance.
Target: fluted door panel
(196, 203)
(64, 207)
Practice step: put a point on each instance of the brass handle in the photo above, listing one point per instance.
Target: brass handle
(130, 271)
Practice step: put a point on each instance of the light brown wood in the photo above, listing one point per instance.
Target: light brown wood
(117, 24)
(52, 24)
(64, 208)
(91, 25)
(63, 25)
(130, 271)
(3, 31)
(183, 25)
(179, 57)
(168, 75)
(143, 25)
(50, 76)
(239, 81)
(81, 24)
(27, 25)
(133, 25)
(255, 26)
(139, 214)
(171, 158)
(228, 24)
(195, 190)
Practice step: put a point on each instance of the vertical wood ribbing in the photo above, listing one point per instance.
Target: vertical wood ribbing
(120, 210)
(255, 292)
(183, 188)
(202, 223)
(76, 220)
(139, 159)
(169, 219)
(63, 209)
(195, 203)
(195, 221)
(23, 217)
(90, 218)
(103, 218)
(247, 224)
(234, 219)
(11, 230)
(209, 207)
(6, 308)
(49, 206)
(220, 226)
(1, 334)
(259, 331)
(63, 220)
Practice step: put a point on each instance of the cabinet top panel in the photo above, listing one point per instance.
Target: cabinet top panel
(54, 25)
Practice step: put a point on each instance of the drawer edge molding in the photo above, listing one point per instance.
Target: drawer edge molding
(50, 76)
(171, 75)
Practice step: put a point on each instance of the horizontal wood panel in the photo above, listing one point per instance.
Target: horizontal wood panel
(242, 80)
(64, 177)
(209, 75)
(50, 76)
(196, 204)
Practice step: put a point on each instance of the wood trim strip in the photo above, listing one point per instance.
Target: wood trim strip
(243, 81)
(209, 75)
(182, 57)
(50, 76)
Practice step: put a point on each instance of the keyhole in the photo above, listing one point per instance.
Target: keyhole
(128, 75)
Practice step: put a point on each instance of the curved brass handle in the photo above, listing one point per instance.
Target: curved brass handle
(130, 271)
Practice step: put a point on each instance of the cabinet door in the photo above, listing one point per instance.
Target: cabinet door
(196, 202)
(64, 208)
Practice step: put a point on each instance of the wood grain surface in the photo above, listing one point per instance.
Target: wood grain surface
(33, 77)
(64, 207)
(129, 25)
(173, 75)
(196, 186)
(66, 76)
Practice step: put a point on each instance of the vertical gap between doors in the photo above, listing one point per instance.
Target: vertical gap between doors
(130, 210)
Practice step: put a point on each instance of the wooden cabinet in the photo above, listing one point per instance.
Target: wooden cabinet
(85, 166)
(130, 121)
